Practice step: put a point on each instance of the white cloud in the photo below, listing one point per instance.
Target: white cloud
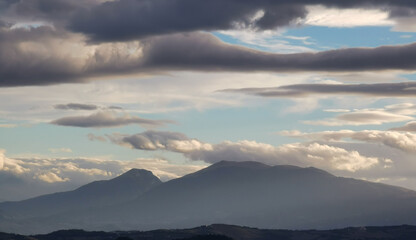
(321, 155)
(30, 176)
(391, 113)
(400, 140)
(2, 157)
(315, 154)
(352, 17)
(84, 170)
(270, 40)
(51, 177)
(361, 117)
(311, 154)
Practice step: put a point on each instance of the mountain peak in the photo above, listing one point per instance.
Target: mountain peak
(137, 177)
(244, 164)
(135, 172)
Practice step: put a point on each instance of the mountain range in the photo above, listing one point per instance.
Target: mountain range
(238, 193)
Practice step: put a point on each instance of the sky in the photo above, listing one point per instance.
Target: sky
(92, 88)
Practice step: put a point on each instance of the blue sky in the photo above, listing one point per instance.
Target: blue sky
(62, 81)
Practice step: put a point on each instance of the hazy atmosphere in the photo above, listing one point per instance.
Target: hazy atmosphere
(90, 89)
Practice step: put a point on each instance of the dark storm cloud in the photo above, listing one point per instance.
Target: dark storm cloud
(57, 12)
(107, 119)
(202, 51)
(27, 57)
(404, 89)
(131, 19)
(50, 63)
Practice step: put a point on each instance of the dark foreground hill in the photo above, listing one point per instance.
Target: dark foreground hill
(228, 232)
(245, 193)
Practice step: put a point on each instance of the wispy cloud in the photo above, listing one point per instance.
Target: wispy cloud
(403, 89)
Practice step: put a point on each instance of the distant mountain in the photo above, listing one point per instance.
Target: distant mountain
(123, 188)
(229, 232)
(241, 193)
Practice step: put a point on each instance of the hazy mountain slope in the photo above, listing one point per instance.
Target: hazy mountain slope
(123, 188)
(249, 194)
(254, 194)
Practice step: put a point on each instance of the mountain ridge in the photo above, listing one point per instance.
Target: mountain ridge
(122, 188)
(243, 193)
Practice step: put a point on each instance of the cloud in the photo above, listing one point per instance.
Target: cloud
(135, 19)
(7, 125)
(76, 106)
(44, 56)
(131, 19)
(314, 154)
(55, 11)
(403, 89)
(409, 127)
(311, 154)
(104, 119)
(361, 117)
(2, 157)
(27, 177)
(85, 107)
(319, 15)
(93, 137)
(156, 140)
(392, 113)
(202, 51)
(60, 150)
(399, 140)
(123, 20)
(51, 178)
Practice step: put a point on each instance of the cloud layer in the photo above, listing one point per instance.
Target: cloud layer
(131, 19)
(311, 154)
(404, 141)
(409, 127)
(403, 89)
(27, 177)
(105, 119)
(43, 55)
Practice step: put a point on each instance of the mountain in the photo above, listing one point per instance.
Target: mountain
(229, 232)
(123, 188)
(243, 193)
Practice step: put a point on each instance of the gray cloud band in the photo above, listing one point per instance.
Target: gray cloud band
(403, 89)
(193, 51)
(106, 119)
